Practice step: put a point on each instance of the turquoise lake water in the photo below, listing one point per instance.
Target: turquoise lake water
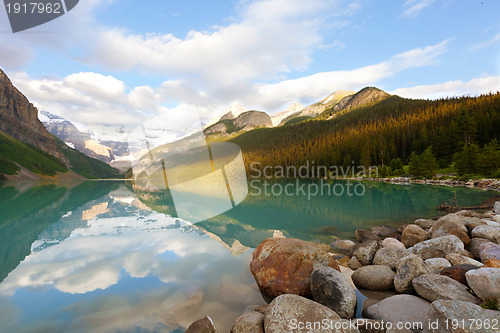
(98, 257)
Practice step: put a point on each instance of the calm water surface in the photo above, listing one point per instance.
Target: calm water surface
(99, 257)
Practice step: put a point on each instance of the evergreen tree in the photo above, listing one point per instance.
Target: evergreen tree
(466, 161)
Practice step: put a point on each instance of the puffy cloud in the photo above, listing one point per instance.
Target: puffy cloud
(269, 37)
(475, 86)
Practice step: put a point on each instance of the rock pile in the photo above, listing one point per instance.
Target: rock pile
(425, 275)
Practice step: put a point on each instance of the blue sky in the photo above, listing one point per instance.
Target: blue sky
(115, 61)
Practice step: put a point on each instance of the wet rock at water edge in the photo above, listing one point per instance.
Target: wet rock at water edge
(365, 235)
(435, 287)
(343, 246)
(332, 289)
(384, 231)
(203, 325)
(284, 265)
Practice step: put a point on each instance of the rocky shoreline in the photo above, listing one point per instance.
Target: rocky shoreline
(438, 275)
(482, 184)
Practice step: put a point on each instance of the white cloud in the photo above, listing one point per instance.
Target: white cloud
(487, 43)
(414, 7)
(475, 86)
(317, 86)
(92, 99)
(269, 37)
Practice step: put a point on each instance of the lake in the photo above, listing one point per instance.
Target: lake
(99, 256)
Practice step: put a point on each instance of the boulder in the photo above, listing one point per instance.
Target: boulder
(485, 282)
(284, 265)
(457, 272)
(435, 265)
(343, 246)
(472, 222)
(393, 242)
(458, 259)
(287, 312)
(454, 218)
(425, 224)
(488, 251)
(488, 232)
(496, 207)
(407, 269)
(400, 308)
(383, 231)
(413, 234)
(444, 312)
(434, 287)
(365, 252)
(252, 322)
(438, 247)
(363, 235)
(449, 228)
(389, 256)
(374, 277)
(203, 325)
(474, 246)
(332, 289)
(354, 263)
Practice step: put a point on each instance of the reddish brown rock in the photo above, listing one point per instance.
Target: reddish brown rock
(284, 265)
(457, 272)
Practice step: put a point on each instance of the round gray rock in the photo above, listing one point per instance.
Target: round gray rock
(401, 308)
(438, 247)
(332, 289)
(489, 232)
(485, 282)
(435, 287)
(286, 311)
(374, 277)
